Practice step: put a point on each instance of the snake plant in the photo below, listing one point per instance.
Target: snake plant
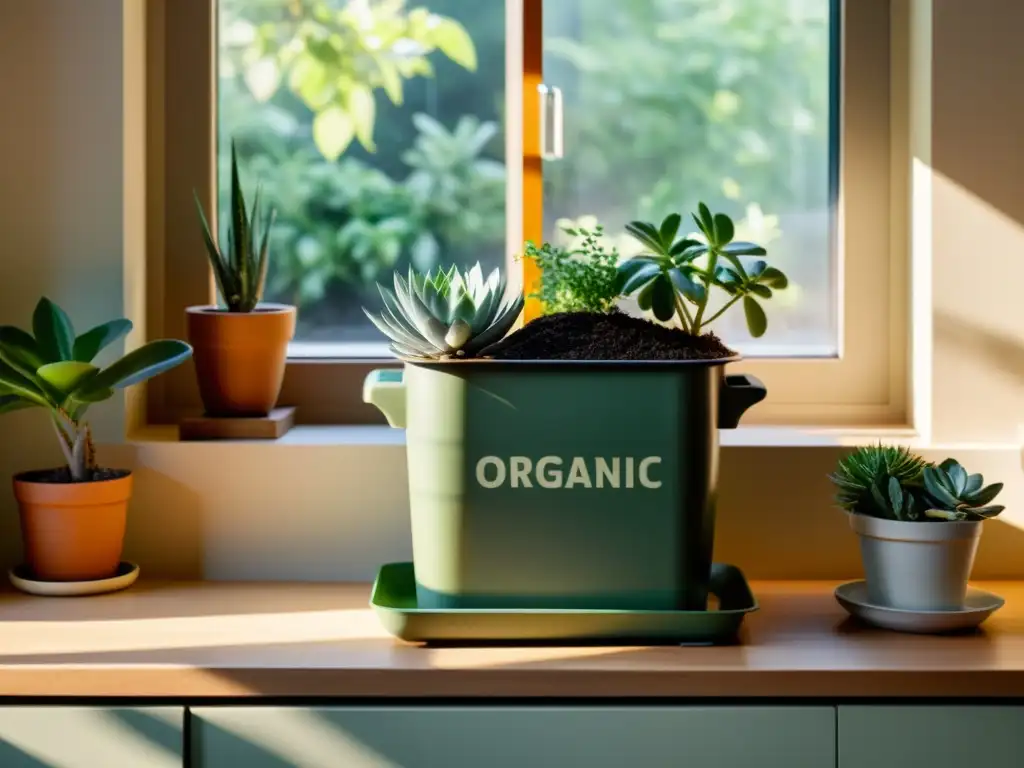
(953, 494)
(53, 368)
(446, 313)
(240, 271)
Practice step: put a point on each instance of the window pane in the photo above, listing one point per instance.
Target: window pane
(669, 102)
(375, 129)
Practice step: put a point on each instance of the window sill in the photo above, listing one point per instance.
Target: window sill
(382, 435)
(374, 435)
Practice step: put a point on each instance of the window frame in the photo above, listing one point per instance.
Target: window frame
(867, 386)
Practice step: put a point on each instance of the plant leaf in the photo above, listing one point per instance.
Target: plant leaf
(646, 296)
(757, 323)
(93, 396)
(68, 375)
(988, 512)
(774, 278)
(640, 277)
(958, 476)
(724, 230)
(669, 228)
(986, 494)
(650, 239)
(760, 290)
(691, 289)
(90, 343)
(743, 248)
(692, 252)
(682, 246)
(10, 403)
(55, 336)
(12, 382)
(706, 222)
(943, 514)
(333, 131)
(138, 365)
(896, 496)
(662, 299)
(19, 350)
(936, 489)
(454, 42)
(973, 484)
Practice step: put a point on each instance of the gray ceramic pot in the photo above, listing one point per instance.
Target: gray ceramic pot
(917, 566)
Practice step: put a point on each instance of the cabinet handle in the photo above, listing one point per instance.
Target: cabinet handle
(551, 147)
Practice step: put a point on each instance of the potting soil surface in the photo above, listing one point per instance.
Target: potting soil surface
(63, 475)
(611, 336)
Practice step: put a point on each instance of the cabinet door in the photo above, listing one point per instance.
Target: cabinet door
(514, 737)
(91, 737)
(932, 736)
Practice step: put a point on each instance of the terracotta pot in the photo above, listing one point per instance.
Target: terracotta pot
(240, 357)
(72, 531)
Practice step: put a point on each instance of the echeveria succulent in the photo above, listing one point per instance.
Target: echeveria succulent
(446, 313)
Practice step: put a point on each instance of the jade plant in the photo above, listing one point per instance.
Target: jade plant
(240, 270)
(52, 368)
(674, 276)
(446, 313)
(893, 483)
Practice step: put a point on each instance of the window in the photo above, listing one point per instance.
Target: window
(390, 133)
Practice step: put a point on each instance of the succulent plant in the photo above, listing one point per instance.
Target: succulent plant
(53, 368)
(442, 314)
(675, 276)
(953, 494)
(241, 270)
(880, 481)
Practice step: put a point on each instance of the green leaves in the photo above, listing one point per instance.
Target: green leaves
(20, 351)
(240, 271)
(454, 42)
(336, 59)
(892, 483)
(636, 273)
(29, 378)
(53, 331)
(757, 322)
(446, 313)
(865, 479)
(688, 268)
(662, 299)
(583, 278)
(333, 131)
(953, 494)
(95, 340)
(137, 366)
(67, 376)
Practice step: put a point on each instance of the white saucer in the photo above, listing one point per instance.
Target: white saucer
(978, 606)
(126, 575)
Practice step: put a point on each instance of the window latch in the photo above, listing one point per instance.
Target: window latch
(550, 122)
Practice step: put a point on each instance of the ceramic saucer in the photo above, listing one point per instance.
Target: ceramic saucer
(22, 578)
(978, 606)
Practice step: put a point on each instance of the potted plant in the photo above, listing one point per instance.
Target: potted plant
(240, 348)
(73, 517)
(572, 463)
(919, 524)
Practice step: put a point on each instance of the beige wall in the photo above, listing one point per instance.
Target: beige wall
(60, 193)
(325, 509)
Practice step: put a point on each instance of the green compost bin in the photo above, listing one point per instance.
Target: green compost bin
(562, 484)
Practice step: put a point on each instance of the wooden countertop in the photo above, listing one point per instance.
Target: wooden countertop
(210, 639)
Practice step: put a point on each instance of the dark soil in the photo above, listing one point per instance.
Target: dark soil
(612, 336)
(63, 475)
